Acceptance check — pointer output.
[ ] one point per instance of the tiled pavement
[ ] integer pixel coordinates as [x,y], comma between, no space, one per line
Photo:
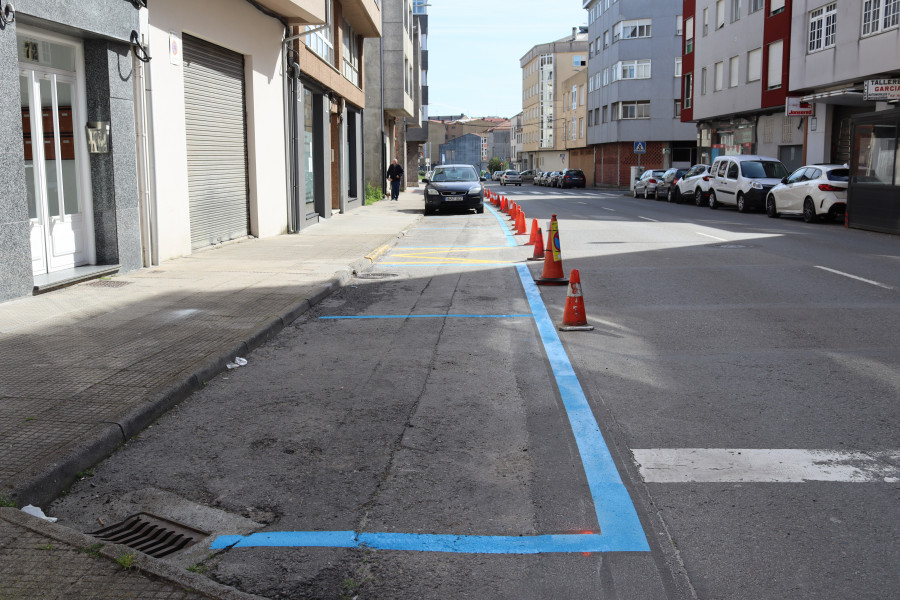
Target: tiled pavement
[86,367]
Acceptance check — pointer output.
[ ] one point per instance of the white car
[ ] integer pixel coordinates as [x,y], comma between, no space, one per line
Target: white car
[510,177]
[813,191]
[495,176]
[744,180]
[695,184]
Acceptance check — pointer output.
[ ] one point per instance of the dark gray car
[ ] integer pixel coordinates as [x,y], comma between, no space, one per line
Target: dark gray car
[454,187]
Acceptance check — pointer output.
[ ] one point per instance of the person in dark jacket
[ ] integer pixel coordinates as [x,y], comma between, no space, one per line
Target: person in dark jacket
[395,175]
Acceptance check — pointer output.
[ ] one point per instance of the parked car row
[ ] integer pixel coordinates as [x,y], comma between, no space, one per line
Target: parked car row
[567,178]
[750,182]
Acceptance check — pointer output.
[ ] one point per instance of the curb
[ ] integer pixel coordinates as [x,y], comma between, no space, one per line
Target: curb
[43,487]
[143,564]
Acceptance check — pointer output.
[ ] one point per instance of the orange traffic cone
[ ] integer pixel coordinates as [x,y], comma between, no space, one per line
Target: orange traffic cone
[505,204]
[512,211]
[538,246]
[535,237]
[520,223]
[553,270]
[574,315]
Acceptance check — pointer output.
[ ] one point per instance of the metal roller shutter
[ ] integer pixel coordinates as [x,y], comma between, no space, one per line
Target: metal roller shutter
[216,142]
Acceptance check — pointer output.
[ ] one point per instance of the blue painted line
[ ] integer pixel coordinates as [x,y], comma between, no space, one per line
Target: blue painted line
[616,514]
[463,544]
[512,316]
[510,239]
[444,264]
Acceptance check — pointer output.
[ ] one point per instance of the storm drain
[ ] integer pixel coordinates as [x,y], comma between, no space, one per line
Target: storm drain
[731,246]
[151,535]
[108,283]
[376,275]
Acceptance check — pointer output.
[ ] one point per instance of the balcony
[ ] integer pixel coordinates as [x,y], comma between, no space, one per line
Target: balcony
[298,12]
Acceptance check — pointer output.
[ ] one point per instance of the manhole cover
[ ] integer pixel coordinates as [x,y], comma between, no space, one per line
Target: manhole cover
[731,246]
[109,283]
[151,535]
[376,275]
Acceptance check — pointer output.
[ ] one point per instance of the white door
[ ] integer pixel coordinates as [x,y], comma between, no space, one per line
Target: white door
[54,167]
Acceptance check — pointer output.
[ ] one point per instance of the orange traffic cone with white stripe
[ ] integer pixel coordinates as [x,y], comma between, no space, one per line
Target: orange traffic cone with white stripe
[553,270]
[574,315]
[535,237]
[538,246]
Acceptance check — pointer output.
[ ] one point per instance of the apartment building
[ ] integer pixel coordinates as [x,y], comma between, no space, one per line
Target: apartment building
[417,137]
[544,68]
[735,59]
[515,142]
[634,88]
[572,111]
[393,94]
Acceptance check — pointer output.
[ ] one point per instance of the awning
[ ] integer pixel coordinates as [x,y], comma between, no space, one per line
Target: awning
[851,96]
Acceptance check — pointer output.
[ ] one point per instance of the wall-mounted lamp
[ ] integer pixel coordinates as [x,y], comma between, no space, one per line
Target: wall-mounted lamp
[8,15]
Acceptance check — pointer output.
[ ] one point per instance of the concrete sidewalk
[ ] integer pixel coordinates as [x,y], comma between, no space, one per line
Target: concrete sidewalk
[85,368]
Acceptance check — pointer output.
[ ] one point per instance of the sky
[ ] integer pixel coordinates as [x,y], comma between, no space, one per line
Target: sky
[474,49]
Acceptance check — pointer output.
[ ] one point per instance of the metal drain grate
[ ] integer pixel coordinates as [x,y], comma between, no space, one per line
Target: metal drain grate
[376,275]
[731,246]
[109,283]
[151,535]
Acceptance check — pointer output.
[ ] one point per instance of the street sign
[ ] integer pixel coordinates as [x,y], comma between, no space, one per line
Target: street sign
[640,147]
[793,107]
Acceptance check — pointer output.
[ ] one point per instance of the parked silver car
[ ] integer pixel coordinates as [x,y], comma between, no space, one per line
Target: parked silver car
[510,177]
[646,183]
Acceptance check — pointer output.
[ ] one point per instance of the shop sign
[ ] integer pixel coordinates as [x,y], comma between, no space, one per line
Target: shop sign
[795,108]
[882,89]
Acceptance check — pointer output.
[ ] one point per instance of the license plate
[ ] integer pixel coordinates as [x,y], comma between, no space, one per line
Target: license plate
[454,198]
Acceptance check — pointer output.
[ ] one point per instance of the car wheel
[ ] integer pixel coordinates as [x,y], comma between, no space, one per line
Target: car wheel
[771,208]
[713,203]
[809,210]
[698,198]
[429,210]
[480,209]
[646,194]
[741,205]
[634,191]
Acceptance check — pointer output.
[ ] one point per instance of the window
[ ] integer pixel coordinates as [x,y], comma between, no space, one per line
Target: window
[679,25]
[626,30]
[776,51]
[754,65]
[350,54]
[605,119]
[776,7]
[590,118]
[689,35]
[735,10]
[879,15]
[678,67]
[582,96]
[703,81]
[634,110]
[822,24]
[678,109]
[606,39]
[578,60]
[733,71]
[718,76]
[756,5]
[633,69]
[574,97]
[606,76]
[720,14]
[580,127]
[322,41]
[705,21]
[688,91]
[590,49]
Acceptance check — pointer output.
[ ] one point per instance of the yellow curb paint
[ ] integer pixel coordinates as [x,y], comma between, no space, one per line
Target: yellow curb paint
[373,256]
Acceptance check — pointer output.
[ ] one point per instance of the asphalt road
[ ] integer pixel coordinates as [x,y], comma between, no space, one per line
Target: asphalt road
[717,333]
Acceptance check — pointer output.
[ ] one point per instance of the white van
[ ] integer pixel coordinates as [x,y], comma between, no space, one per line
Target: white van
[743,180]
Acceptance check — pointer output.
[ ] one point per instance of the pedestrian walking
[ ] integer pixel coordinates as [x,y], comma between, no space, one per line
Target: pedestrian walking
[395,175]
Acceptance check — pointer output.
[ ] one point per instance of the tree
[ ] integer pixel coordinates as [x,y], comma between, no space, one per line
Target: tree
[495,164]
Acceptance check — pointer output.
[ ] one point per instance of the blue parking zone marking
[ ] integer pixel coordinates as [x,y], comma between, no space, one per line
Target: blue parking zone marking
[620,529]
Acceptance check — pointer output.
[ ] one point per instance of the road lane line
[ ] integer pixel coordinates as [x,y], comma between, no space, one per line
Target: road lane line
[436,316]
[648,219]
[616,514]
[869,281]
[710,236]
[725,465]
[609,209]
[510,239]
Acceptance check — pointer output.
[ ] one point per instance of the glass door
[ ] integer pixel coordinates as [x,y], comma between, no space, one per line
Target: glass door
[59,230]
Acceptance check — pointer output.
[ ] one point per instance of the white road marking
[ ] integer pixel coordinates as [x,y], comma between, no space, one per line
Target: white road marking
[721,465]
[711,236]
[869,281]
[585,203]
[648,219]
[609,209]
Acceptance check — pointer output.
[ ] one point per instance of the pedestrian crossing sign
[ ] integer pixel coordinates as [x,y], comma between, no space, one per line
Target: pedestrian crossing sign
[640,147]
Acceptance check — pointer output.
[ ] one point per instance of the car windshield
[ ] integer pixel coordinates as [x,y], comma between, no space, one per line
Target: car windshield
[455,174]
[576,173]
[839,175]
[512,173]
[763,169]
